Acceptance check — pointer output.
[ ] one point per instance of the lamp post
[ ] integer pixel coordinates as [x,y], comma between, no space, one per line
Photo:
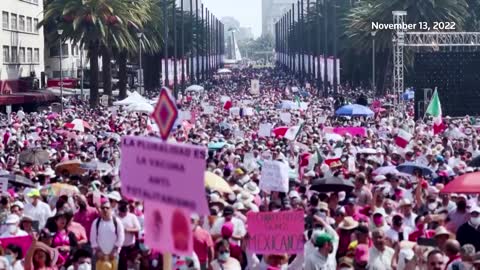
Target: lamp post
[60,32]
[373,60]
[140,70]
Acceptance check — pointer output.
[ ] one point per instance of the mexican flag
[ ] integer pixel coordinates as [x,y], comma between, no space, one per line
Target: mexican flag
[435,110]
[403,138]
[292,132]
[297,100]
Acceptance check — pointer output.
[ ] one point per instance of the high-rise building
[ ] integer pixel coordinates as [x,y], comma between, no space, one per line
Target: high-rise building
[272,11]
[22,44]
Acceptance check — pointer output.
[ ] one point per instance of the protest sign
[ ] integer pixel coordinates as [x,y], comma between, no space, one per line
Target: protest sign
[208,109]
[248,111]
[275,232]
[285,117]
[24,242]
[223,99]
[255,87]
[235,111]
[168,228]
[239,133]
[104,100]
[322,119]
[265,130]
[4,184]
[249,162]
[185,115]
[274,176]
[163,172]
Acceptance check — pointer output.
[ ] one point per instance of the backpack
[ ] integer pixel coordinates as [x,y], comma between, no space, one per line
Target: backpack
[97,225]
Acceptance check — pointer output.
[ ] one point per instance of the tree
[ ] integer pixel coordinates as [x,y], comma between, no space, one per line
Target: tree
[97,25]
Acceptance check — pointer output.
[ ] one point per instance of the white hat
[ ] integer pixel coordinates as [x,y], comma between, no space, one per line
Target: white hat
[293,194]
[19,204]
[474,209]
[379,178]
[251,187]
[245,197]
[12,219]
[239,206]
[114,195]
[405,201]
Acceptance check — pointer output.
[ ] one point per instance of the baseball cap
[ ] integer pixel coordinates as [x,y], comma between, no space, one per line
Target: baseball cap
[323,239]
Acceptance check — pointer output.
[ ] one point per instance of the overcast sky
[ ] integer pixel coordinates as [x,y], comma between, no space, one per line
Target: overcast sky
[247,12]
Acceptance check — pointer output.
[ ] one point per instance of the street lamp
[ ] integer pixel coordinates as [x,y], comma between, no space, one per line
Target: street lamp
[140,70]
[373,60]
[60,32]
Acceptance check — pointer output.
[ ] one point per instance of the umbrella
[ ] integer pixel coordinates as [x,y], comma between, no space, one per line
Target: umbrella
[71,166]
[58,189]
[216,145]
[409,167]
[467,183]
[78,125]
[195,88]
[215,182]
[35,156]
[386,170]
[367,151]
[332,184]
[354,110]
[224,71]
[96,165]
[140,107]
[52,116]
[475,162]
[18,179]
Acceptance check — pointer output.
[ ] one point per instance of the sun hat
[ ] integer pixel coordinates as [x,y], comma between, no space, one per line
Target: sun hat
[348,223]
[441,231]
[252,188]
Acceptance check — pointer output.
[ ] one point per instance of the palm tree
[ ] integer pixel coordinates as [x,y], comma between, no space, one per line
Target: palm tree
[97,25]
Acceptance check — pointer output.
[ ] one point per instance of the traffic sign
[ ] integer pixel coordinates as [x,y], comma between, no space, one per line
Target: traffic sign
[104,101]
[165,113]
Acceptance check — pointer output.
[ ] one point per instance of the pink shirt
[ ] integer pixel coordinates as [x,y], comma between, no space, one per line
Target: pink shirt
[202,242]
[86,218]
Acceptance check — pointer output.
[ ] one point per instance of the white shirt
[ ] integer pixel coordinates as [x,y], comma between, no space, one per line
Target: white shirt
[393,234]
[41,213]
[106,239]
[129,221]
[18,234]
[410,221]
[378,260]
[238,227]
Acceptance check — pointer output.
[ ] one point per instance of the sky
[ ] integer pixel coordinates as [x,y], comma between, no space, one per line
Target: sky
[247,12]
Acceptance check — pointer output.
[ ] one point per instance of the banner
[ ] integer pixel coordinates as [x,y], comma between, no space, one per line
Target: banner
[161,172]
[168,228]
[24,242]
[354,131]
[276,232]
[274,176]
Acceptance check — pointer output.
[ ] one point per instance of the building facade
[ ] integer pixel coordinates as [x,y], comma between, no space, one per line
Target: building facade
[272,11]
[72,61]
[21,42]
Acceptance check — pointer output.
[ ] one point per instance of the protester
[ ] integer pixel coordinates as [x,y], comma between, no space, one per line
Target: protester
[379,216]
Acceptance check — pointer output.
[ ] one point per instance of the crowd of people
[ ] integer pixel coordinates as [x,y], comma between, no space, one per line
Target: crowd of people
[70,211]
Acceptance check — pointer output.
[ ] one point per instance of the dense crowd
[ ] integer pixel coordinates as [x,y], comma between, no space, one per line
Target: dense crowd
[64,195]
